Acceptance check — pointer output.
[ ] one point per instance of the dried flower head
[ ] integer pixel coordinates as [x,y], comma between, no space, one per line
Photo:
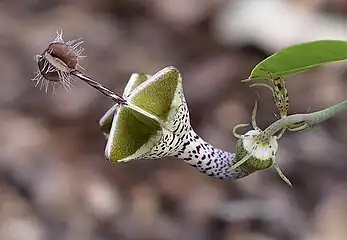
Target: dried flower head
[57,62]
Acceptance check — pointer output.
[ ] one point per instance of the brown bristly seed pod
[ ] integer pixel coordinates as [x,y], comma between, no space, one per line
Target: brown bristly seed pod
[59,65]
[57,62]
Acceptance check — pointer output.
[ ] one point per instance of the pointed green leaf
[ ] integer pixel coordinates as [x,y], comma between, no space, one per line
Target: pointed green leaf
[157,94]
[301,57]
[129,137]
[135,80]
[106,120]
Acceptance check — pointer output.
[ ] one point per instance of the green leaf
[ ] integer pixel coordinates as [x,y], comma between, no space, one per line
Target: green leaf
[106,121]
[129,137]
[157,94]
[135,80]
[301,57]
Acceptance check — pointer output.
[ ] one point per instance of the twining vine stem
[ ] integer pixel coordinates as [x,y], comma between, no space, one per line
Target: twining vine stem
[305,121]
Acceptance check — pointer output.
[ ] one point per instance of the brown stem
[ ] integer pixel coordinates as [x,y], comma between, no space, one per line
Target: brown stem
[115,97]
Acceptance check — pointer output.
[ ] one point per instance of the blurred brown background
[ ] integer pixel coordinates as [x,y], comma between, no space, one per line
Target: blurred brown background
[54,181]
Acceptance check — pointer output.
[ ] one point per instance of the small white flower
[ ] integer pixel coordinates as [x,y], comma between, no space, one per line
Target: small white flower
[256,150]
